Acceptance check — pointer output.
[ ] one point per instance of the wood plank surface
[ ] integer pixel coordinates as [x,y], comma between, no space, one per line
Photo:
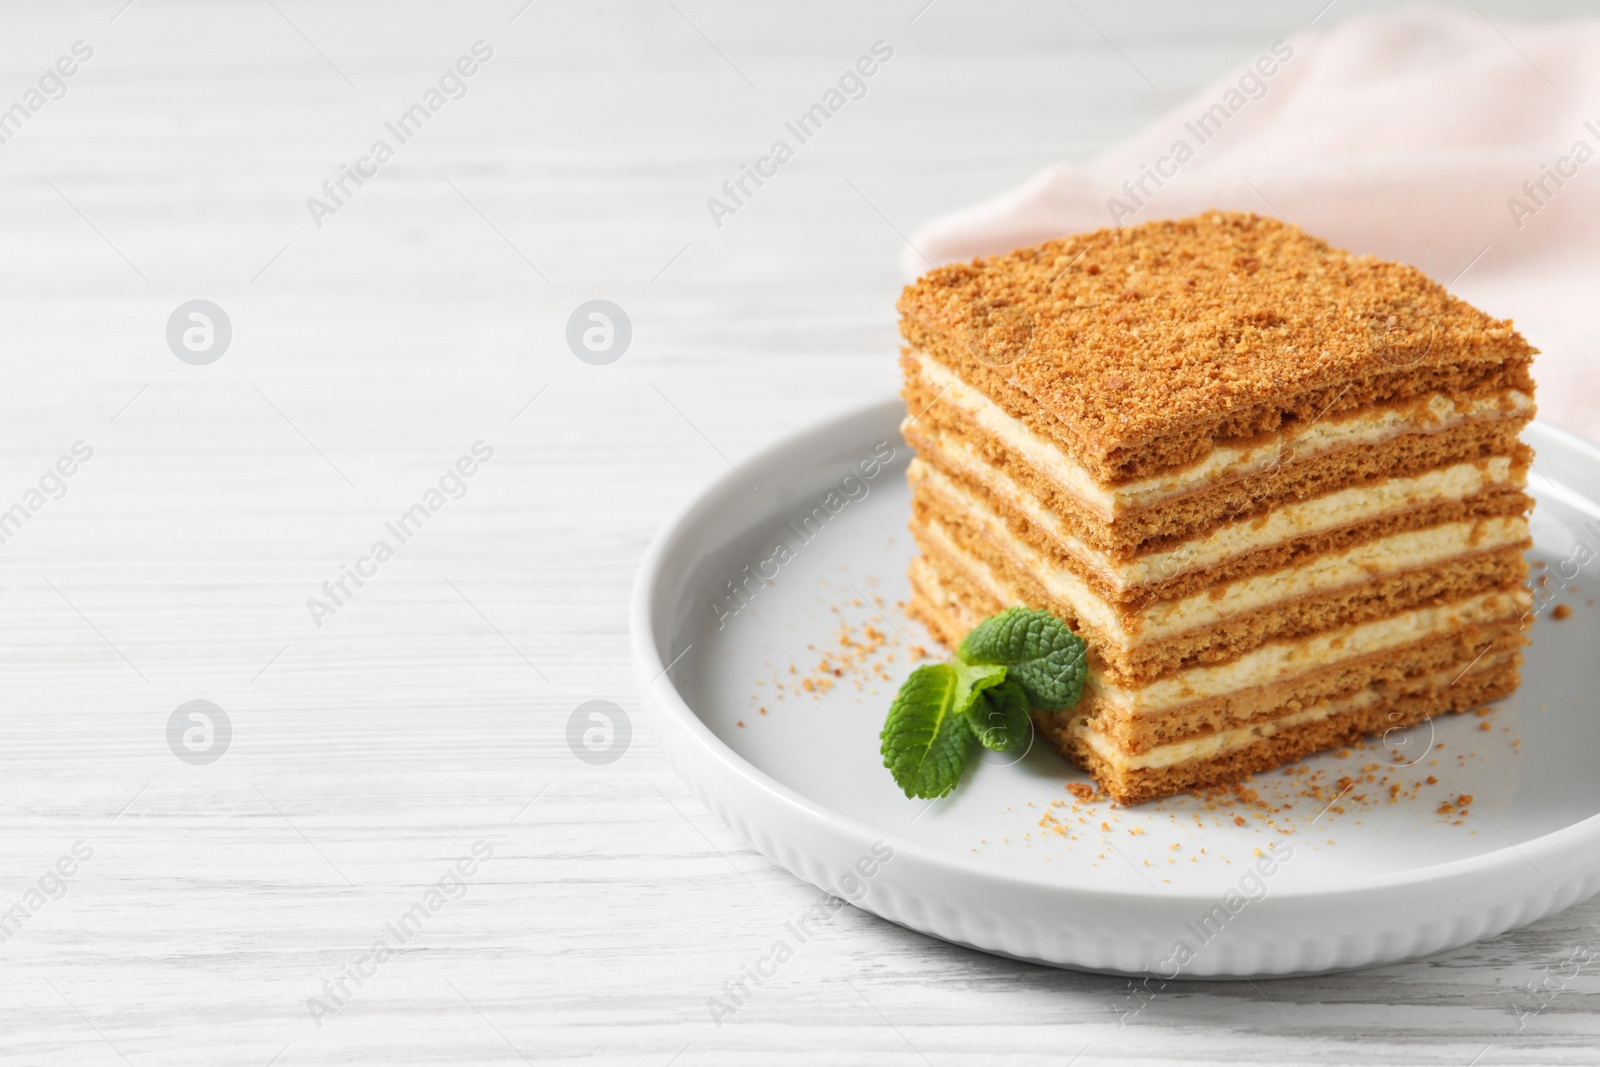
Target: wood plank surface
[374,747]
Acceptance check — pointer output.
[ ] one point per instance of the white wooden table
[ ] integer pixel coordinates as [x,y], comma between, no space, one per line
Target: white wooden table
[427,714]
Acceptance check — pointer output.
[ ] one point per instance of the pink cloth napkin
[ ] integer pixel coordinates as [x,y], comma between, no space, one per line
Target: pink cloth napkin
[1468,149]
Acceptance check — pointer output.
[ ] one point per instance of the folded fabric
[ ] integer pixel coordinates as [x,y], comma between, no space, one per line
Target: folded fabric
[1469,149]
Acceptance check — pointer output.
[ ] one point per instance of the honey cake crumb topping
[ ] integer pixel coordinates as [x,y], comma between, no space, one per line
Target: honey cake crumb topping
[1218,322]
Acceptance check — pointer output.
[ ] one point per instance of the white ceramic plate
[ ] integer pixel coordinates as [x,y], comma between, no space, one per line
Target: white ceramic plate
[1012,862]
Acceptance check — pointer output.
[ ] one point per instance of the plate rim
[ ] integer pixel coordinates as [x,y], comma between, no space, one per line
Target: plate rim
[668,704]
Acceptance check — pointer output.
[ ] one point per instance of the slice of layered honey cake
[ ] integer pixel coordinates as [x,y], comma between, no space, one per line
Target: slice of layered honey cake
[1278,488]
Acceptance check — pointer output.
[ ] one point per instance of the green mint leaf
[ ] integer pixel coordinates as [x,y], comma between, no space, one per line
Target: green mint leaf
[1048,660]
[926,738]
[1000,717]
[973,679]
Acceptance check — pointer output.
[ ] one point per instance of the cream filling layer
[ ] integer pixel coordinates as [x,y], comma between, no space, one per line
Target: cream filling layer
[1227,461]
[1280,661]
[1223,741]
[1163,620]
[1318,515]
[1283,661]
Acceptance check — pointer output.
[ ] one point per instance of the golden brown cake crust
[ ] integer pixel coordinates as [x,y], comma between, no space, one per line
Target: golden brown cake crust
[1151,344]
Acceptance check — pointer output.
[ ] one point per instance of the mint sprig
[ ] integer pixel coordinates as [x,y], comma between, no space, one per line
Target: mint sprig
[927,735]
[1048,660]
[1000,717]
[1009,663]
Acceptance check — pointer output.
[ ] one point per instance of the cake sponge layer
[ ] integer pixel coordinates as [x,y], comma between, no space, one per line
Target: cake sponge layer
[1146,346]
[1128,755]
[1487,490]
[1403,705]
[945,437]
[1137,725]
[958,560]
[930,384]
